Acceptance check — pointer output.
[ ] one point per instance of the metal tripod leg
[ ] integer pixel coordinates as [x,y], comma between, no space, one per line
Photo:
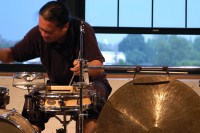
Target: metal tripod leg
[64,123]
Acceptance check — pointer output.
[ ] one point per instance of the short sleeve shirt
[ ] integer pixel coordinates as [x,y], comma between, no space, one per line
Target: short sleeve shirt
[58,58]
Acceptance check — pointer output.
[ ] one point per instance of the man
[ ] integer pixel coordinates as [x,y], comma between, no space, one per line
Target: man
[56,40]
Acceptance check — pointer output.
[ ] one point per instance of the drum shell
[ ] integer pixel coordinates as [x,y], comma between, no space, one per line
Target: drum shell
[12,122]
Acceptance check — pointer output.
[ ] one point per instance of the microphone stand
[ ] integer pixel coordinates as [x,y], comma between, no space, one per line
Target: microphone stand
[81,82]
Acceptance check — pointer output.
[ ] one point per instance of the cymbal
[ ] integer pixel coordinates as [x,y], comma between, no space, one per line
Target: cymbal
[29,85]
[28,76]
[152,104]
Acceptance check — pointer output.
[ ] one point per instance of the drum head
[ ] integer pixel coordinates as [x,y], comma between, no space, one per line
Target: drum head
[154,104]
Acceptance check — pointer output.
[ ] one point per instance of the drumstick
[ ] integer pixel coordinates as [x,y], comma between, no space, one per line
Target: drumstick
[71,79]
[73,73]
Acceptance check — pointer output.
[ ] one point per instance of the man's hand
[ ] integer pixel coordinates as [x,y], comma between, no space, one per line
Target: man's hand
[76,68]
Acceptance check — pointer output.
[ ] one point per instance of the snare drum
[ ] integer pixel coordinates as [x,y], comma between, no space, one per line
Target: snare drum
[4,97]
[12,122]
[69,102]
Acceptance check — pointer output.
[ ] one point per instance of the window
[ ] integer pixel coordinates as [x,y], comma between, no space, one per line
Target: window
[129,32]
[134,13]
[192,10]
[169,13]
[143,13]
[96,14]
[150,49]
[146,32]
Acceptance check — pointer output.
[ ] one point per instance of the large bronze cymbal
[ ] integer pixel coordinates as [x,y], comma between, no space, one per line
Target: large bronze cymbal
[153,104]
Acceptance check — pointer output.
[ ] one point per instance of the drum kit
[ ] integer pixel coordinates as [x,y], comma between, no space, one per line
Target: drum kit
[60,100]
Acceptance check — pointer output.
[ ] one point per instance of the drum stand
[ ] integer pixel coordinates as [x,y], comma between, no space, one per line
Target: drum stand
[80,86]
[64,123]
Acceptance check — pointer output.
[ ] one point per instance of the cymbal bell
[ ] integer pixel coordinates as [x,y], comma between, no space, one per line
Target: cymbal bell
[152,104]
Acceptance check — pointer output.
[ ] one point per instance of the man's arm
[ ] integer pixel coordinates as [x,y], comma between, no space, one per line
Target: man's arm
[92,72]
[6,55]
[95,72]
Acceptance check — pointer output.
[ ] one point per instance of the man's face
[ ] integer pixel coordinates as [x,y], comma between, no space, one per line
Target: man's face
[50,32]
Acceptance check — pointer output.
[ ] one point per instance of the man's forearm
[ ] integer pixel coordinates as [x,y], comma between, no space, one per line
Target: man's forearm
[6,55]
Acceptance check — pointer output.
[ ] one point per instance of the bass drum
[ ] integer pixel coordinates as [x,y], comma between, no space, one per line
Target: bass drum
[12,122]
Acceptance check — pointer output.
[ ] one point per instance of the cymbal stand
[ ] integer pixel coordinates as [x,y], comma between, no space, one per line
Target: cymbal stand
[81,83]
[28,88]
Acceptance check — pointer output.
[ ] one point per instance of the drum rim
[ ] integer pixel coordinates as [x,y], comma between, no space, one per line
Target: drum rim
[59,95]
[62,108]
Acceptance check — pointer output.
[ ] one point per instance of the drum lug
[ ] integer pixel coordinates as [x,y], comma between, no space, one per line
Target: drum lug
[12,112]
[42,102]
[5,116]
[60,101]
